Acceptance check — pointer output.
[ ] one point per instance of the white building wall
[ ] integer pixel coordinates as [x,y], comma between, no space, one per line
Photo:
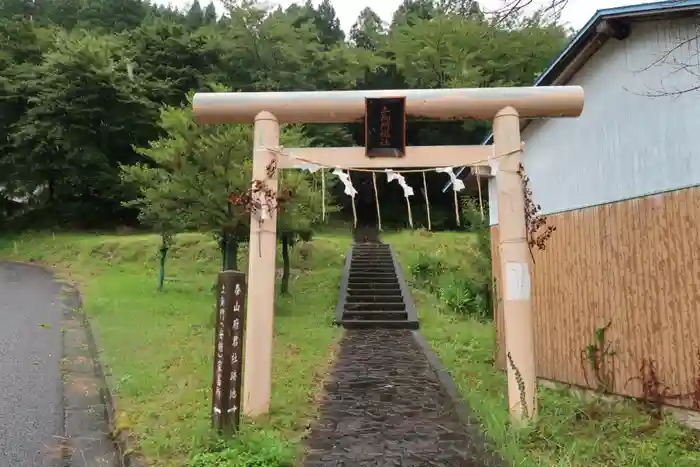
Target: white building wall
[629,141]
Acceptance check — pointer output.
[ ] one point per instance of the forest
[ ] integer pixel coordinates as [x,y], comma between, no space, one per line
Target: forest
[96,116]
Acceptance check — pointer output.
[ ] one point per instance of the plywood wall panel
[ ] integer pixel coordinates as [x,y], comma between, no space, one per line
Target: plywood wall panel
[635,263]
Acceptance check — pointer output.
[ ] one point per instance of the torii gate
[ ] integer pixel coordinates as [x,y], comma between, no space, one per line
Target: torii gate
[506,106]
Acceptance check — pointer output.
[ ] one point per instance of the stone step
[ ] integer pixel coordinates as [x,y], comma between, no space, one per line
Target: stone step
[370,306]
[391,290]
[361,273]
[372,260]
[352,299]
[375,270]
[379,271]
[371,298]
[376,315]
[378,287]
[378,324]
[372,265]
[364,279]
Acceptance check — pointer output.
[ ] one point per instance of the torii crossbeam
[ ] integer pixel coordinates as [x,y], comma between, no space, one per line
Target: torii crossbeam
[505,106]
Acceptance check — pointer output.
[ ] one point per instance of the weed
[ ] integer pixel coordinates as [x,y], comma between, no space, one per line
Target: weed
[464,296]
[521,387]
[538,231]
[462,290]
[427,270]
[655,394]
[249,449]
[600,360]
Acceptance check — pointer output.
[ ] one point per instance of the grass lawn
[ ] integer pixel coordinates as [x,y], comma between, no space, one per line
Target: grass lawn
[570,432]
[159,348]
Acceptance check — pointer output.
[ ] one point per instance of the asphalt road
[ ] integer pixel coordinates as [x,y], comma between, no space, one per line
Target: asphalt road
[31,414]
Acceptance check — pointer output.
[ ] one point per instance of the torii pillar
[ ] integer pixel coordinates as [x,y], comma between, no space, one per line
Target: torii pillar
[505,106]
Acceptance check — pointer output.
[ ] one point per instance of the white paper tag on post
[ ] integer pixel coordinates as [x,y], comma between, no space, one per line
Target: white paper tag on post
[517,281]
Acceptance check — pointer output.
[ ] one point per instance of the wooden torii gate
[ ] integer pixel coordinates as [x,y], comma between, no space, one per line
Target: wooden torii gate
[505,106]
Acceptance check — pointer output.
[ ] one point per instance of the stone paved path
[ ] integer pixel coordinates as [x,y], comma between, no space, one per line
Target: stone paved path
[384,406]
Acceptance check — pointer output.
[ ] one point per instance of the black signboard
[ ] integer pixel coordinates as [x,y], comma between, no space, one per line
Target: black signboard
[228,351]
[385,126]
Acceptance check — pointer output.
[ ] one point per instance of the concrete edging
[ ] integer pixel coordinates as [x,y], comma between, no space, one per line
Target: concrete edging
[123,438]
[343,292]
[465,415]
[403,285]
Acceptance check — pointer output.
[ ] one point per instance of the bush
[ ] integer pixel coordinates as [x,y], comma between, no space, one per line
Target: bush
[465,296]
[252,449]
[463,291]
[427,271]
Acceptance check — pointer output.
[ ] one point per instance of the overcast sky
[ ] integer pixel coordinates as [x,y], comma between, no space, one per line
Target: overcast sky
[576,13]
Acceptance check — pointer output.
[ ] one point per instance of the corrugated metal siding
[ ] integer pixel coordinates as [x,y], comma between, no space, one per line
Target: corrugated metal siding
[627,143]
[634,263]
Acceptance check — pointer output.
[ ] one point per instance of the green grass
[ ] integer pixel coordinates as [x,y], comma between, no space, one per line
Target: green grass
[570,431]
[159,346]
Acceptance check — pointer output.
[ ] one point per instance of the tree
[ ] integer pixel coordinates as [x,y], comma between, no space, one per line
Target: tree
[195,15]
[20,53]
[510,11]
[411,11]
[368,32]
[465,8]
[174,59]
[160,205]
[210,16]
[323,19]
[303,206]
[68,127]
[84,112]
[194,168]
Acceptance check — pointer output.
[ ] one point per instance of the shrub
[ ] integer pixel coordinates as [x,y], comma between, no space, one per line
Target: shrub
[463,291]
[426,271]
[252,449]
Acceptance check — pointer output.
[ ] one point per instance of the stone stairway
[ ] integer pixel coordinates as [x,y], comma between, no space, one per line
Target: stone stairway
[375,293]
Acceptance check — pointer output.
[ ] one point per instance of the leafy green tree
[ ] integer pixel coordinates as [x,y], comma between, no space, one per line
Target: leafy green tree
[303,204]
[210,15]
[173,59]
[195,15]
[68,124]
[113,16]
[160,205]
[20,53]
[193,170]
[84,112]
[198,165]
[368,32]
[411,11]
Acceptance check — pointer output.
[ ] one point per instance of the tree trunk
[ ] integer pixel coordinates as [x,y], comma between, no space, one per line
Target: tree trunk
[52,189]
[229,252]
[284,286]
[161,277]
